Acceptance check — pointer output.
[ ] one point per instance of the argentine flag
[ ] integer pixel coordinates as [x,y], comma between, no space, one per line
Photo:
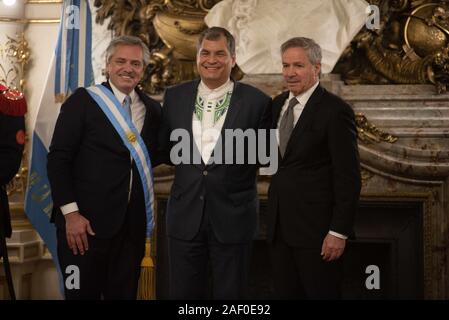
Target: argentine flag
[71,67]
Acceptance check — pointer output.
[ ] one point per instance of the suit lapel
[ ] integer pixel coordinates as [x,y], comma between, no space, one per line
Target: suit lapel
[234,108]
[148,118]
[107,85]
[187,100]
[277,107]
[278,103]
[306,115]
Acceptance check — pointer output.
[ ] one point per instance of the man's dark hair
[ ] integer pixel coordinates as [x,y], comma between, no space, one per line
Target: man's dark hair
[214,34]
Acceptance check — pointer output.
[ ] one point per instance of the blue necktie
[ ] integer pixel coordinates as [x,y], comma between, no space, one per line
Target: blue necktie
[127,106]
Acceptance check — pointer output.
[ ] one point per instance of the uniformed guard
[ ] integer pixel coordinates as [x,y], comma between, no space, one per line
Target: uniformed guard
[12,140]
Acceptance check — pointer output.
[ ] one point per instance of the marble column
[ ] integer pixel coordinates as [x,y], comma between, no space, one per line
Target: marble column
[13,47]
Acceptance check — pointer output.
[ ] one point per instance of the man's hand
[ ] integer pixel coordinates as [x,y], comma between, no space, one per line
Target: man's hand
[76,227]
[332,248]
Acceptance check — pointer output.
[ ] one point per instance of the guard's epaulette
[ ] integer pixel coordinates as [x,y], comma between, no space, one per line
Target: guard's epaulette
[12,102]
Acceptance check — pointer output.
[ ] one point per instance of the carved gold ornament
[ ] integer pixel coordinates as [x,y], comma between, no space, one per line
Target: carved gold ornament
[14,52]
[365,176]
[18,184]
[410,47]
[368,133]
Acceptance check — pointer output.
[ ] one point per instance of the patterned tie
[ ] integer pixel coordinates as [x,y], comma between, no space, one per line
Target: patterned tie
[127,106]
[286,126]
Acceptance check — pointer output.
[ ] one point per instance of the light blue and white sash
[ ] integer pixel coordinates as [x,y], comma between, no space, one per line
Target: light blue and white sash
[121,121]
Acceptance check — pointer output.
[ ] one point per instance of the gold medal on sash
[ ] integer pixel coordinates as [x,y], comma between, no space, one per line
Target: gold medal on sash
[131,137]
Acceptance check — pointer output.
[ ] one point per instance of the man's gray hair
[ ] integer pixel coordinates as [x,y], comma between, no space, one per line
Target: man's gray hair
[130,41]
[215,34]
[312,48]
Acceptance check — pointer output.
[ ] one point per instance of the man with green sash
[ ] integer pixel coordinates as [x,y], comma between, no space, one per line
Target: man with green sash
[99,168]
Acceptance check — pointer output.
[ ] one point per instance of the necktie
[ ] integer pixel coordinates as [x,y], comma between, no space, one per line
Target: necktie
[286,126]
[127,106]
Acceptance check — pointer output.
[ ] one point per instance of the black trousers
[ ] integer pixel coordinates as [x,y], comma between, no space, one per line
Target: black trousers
[191,263]
[110,269]
[301,273]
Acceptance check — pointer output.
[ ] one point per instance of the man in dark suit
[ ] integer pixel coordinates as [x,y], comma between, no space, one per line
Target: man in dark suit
[12,140]
[97,187]
[212,209]
[313,197]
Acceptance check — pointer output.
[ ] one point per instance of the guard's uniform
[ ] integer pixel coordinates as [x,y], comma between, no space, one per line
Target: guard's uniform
[12,141]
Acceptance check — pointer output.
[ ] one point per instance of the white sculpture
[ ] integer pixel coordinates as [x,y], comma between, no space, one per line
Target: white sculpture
[261,26]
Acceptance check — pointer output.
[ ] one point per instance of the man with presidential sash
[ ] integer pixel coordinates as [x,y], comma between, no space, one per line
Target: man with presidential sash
[100,171]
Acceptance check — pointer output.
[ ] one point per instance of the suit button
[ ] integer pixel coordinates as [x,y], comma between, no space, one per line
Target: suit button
[201,198]
[204,173]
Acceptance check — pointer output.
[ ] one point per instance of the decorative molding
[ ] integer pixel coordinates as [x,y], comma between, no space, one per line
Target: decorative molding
[44,1]
[366,175]
[26,21]
[369,133]
[2,19]
[40,21]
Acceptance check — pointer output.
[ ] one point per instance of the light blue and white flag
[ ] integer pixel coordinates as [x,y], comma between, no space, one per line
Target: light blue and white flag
[71,67]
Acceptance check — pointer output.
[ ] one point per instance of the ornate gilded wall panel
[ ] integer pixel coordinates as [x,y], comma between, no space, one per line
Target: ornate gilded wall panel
[411,46]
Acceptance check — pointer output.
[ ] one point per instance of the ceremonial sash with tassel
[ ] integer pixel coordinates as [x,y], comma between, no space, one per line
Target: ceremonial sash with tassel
[120,120]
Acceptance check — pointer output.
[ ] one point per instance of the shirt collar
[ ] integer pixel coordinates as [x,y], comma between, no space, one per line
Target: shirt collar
[305,96]
[121,96]
[217,92]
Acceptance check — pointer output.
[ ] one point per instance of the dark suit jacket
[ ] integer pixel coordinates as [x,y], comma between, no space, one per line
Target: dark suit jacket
[227,192]
[317,185]
[89,164]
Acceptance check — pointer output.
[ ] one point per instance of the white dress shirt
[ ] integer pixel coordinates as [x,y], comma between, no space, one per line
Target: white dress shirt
[205,131]
[297,110]
[138,112]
